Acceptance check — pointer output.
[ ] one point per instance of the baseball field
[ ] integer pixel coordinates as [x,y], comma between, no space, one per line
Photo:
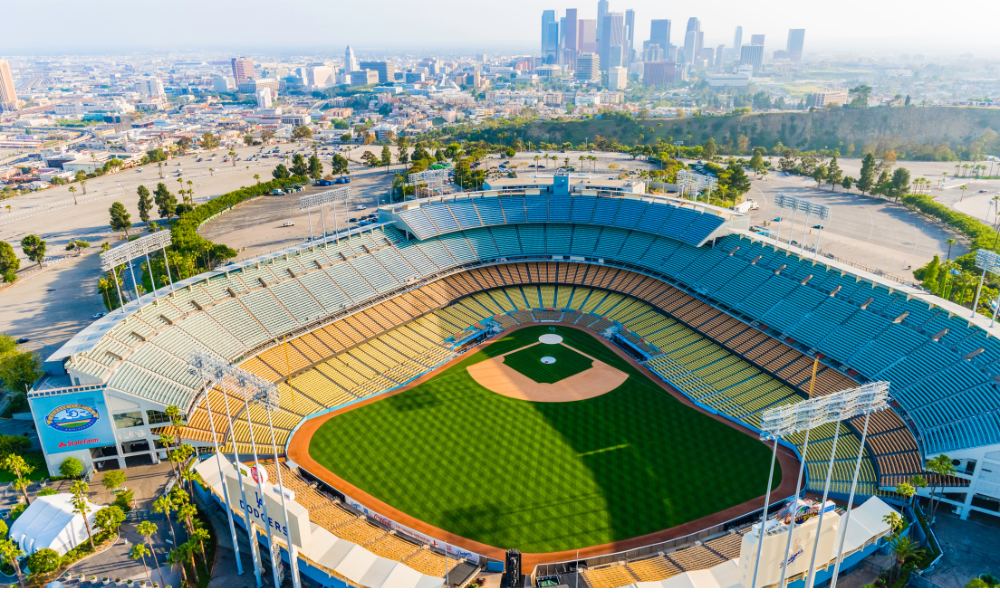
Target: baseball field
[519,456]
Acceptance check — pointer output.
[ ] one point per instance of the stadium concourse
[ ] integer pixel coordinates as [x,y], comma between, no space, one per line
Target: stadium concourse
[726,317]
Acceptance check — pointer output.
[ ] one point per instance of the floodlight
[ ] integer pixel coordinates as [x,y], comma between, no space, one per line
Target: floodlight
[140,247]
[323,198]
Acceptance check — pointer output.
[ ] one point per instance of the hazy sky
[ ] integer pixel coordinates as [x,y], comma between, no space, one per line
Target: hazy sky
[60,26]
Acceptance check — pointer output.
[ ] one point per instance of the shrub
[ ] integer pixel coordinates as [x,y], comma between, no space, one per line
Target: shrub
[16,511]
[3,530]
[45,560]
[71,467]
[47,492]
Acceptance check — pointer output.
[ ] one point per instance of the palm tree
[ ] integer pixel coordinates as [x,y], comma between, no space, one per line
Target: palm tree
[942,467]
[148,530]
[904,549]
[79,491]
[139,552]
[164,504]
[257,177]
[211,172]
[917,482]
[184,552]
[72,190]
[10,552]
[905,490]
[962,187]
[950,243]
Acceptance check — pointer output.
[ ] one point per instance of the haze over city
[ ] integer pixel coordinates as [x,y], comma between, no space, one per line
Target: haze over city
[380,25]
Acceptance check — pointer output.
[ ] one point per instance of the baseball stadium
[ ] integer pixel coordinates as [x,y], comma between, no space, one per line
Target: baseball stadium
[574,375]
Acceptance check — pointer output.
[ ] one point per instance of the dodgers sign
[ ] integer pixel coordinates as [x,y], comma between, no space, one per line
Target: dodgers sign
[265,510]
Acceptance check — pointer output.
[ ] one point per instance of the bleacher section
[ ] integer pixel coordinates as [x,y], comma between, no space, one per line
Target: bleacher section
[664,566]
[341,522]
[943,372]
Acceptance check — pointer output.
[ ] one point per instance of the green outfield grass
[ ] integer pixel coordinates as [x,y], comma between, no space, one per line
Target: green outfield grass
[543,477]
[528,362]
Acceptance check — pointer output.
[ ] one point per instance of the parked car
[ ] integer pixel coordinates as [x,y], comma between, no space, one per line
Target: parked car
[288,224]
[23,340]
[277,193]
[98,315]
[361,207]
[352,220]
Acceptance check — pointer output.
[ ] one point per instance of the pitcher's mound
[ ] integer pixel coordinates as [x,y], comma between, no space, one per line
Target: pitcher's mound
[550,338]
[497,377]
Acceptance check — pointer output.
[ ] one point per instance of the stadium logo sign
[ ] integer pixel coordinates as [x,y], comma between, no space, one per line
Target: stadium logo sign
[259,475]
[71,418]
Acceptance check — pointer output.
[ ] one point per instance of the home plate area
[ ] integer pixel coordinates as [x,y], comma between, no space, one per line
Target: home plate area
[547,371]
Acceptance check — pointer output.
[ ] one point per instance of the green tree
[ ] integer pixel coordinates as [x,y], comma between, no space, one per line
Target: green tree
[9,263]
[757,163]
[182,553]
[120,218]
[861,94]
[299,166]
[904,549]
[929,273]
[72,190]
[79,491]
[280,172]
[164,505]
[34,248]
[386,155]
[113,480]
[20,468]
[109,518]
[867,179]
[738,181]
[708,151]
[165,201]
[941,466]
[950,243]
[209,141]
[139,552]
[905,490]
[145,204]
[315,167]
[819,175]
[402,151]
[44,561]
[847,182]
[302,132]
[3,529]
[882,187]
[834,174]
[339,164]
[71,467]
[147,530]
[10,552]
[900,182]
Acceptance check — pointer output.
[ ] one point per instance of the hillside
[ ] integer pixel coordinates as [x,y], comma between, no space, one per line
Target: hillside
[915,128]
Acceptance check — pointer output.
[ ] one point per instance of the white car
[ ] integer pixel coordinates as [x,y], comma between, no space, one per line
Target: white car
[361,207]
[288,224]
[140,170]
[98,315]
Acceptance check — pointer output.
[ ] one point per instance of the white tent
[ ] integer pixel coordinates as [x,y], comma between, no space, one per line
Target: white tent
[51,523]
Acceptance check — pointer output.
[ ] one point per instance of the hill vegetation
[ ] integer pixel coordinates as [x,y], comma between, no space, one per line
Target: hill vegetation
[912,132]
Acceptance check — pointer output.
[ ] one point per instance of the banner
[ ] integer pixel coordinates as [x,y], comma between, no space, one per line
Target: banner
[265,510]
[422,537]
[72,421]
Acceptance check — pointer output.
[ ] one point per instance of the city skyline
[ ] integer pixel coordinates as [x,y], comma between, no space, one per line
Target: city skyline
[418,29]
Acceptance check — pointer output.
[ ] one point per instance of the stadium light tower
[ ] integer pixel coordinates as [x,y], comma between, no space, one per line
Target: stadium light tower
[125,253]
[428,178]
[811,209]
[219,371]
[197,365]
[987,261]
[319,201]
[781,421]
